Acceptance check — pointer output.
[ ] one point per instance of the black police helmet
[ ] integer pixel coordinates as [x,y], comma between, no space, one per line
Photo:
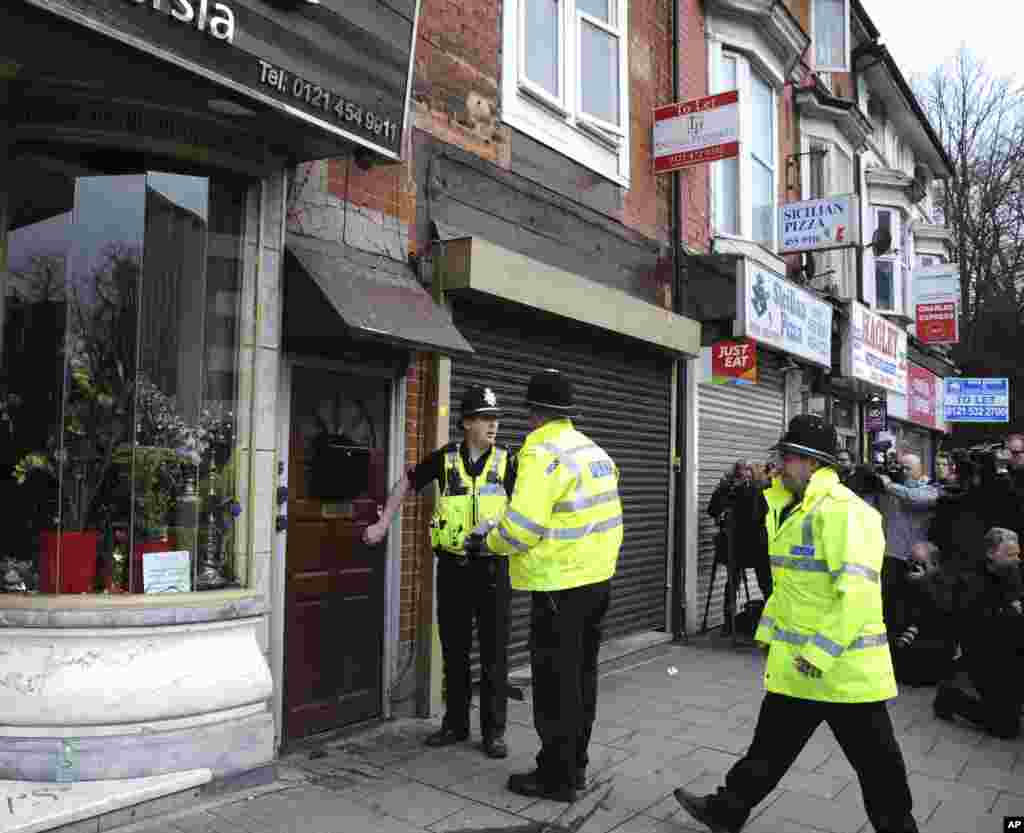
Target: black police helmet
[810,436]
[477,401]
[551,391]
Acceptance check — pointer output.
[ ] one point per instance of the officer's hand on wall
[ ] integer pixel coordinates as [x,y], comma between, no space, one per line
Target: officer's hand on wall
[374,534]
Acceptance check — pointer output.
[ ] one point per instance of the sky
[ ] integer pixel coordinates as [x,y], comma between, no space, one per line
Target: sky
[921,34]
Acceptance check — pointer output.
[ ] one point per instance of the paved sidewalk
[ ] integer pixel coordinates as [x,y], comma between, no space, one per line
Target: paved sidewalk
[670,716]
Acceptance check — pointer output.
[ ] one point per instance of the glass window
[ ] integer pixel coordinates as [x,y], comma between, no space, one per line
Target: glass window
[728,179]
[885,289]
[830,48]
[120,343]
[763,161]
[599,73]
[542,45]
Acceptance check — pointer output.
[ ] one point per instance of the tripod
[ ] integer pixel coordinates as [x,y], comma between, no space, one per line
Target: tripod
[725,554]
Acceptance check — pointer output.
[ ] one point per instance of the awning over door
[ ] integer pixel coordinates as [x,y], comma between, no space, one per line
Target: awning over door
[376,297]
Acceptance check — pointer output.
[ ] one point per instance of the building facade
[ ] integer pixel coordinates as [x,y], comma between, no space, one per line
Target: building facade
[261,268]
[835,153]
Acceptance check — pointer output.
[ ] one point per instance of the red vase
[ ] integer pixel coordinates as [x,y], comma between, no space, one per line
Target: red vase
[163,544]
[74,561]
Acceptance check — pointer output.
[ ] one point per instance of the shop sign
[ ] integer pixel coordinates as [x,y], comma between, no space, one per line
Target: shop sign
[734,363]
[816,225]
[922,394]
[875,351]
[778,314]
[977,400]
[345,67]
[696,131]
[874,416]
[167,572]
[937,304]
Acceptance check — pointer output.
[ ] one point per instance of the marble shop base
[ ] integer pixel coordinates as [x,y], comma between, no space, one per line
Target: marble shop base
[30,806]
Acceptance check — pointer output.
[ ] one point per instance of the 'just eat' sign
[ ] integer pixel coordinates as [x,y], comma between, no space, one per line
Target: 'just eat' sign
[734,363]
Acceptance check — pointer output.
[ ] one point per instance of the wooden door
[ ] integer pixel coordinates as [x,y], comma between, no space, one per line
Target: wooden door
[334,584]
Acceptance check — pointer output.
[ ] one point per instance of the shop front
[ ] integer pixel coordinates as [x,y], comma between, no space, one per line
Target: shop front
[753,378]
[522,315]
[143,200]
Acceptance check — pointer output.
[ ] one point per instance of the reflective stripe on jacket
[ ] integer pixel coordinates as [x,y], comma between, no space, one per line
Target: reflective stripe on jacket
[456,514]
[563,526]
[826,601]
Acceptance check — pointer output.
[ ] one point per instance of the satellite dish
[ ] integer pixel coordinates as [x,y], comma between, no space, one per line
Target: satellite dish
[881,242]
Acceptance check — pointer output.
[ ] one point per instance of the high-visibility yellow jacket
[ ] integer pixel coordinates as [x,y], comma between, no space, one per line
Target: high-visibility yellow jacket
[563,526]
[464,501]
[826,601]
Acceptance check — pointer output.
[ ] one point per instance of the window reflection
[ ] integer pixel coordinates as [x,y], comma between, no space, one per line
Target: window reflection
[118,383]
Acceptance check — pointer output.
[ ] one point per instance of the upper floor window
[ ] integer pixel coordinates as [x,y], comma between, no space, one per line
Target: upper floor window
[831,28]
[566,78]
[745,187]
[893,269]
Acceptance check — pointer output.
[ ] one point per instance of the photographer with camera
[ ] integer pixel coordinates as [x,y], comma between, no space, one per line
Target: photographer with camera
[739,507]
[984,600]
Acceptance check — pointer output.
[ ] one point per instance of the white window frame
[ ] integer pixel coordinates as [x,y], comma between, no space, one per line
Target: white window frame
[845,66]
[896,257]
[745,67]
[559,121]
[837,178]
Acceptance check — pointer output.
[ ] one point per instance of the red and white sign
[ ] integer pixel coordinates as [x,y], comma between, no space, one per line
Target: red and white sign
[697,131]
[938,323]
[922,395]
[733,363]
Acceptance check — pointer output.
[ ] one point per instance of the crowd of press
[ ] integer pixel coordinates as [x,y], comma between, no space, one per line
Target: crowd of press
[952,579]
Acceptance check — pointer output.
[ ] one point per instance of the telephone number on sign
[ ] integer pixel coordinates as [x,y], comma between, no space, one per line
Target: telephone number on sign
[956,411]
[332,104]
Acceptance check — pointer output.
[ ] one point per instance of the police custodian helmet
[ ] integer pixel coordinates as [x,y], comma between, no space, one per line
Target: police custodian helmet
[810,436]
[551,391]
[479,400]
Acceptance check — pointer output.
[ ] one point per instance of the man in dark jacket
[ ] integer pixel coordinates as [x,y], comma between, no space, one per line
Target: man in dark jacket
[984,599]
[739,507]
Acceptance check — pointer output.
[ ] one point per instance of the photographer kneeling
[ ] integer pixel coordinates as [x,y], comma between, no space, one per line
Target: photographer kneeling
[984,599]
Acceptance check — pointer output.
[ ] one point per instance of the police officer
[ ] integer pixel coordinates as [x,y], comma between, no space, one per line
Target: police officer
[828,656]
[475,478]
[562,533]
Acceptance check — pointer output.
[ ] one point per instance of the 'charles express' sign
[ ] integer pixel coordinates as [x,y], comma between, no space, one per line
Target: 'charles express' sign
[342,66]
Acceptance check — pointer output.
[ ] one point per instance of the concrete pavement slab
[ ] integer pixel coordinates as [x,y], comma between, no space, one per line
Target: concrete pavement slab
[479,818]
[418,804]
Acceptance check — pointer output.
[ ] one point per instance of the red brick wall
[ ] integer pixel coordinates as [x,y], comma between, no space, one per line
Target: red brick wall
[693,83]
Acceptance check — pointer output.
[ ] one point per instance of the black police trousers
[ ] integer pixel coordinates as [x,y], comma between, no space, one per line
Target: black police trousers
[565,634]
[474,591]
[866,736]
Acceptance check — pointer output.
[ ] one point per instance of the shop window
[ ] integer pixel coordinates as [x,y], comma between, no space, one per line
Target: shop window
[745,187]
[566,78]
[119,369]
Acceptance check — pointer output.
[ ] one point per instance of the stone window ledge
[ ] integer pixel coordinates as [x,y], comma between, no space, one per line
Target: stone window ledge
[127,610]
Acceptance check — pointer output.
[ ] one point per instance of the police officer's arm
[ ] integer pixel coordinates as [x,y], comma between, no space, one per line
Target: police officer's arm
[413,480]
[854,544]
[528,516]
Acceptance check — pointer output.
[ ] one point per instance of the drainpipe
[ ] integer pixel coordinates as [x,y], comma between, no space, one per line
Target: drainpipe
[678,619]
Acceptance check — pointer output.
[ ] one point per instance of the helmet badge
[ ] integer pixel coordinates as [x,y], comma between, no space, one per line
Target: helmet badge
[490,398]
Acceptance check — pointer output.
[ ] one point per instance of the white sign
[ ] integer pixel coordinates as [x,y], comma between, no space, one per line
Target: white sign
[167,572]
[775,313]
[977,400]
[875,351]
[937,304]
[696,131]
[814,225]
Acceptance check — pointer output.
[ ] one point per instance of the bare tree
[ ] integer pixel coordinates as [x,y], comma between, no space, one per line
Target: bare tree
[980,120]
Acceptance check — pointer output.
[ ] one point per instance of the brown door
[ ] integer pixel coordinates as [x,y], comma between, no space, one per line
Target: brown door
[334,603]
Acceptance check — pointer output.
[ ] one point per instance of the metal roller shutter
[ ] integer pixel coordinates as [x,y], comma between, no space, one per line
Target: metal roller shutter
[622,394]
[734,422]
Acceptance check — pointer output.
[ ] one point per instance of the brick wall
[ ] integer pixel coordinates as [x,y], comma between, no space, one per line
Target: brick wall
[693,83]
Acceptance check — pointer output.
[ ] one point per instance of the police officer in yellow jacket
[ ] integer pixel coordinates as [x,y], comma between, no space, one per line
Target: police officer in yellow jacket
[475,478]
[562,533]
[828,656]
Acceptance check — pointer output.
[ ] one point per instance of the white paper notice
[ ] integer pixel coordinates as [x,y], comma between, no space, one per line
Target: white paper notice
[167,572]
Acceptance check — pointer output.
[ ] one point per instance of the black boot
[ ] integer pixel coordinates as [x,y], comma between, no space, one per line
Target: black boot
[701,807]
